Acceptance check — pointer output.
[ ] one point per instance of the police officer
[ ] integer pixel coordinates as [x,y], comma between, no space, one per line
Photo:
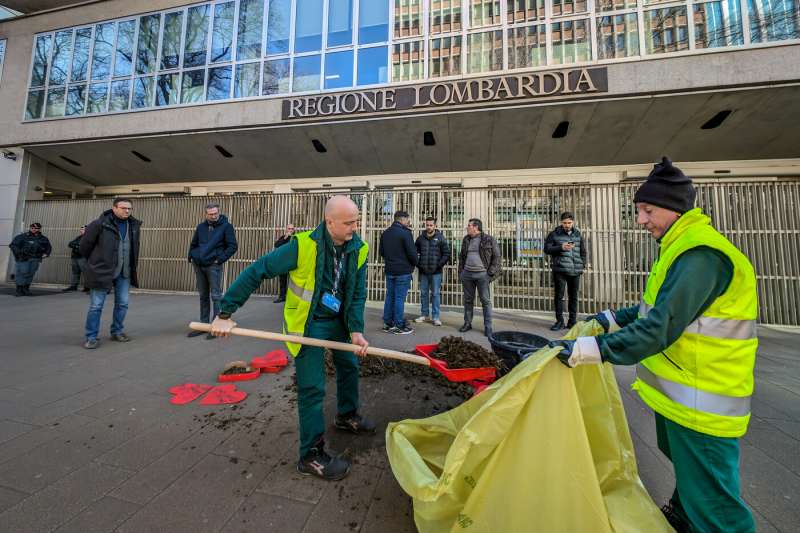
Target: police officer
[29,249]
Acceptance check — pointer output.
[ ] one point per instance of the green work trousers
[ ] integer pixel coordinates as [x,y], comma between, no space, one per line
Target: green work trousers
[310,369]
[706,478]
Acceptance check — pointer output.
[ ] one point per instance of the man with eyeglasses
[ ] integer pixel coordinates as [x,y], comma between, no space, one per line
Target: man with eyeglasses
[111,248]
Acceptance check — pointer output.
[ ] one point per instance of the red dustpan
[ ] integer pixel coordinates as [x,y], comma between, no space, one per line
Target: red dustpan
[272,362]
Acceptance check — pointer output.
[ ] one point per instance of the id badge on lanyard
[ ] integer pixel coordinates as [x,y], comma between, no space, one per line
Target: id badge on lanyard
[330,299]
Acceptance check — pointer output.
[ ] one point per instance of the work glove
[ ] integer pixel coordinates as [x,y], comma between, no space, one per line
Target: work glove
[581,351]
[607,319]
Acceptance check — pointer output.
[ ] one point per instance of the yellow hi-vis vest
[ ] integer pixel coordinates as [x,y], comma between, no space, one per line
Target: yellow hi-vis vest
[704,380]
[302,280]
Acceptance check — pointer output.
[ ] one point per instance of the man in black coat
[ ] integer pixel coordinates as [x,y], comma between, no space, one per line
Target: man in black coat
[29,249]
[78,262]
[284,278]
[434,254]
[213,243]
[479,263]
[111,248]
[399,255]
[567,248]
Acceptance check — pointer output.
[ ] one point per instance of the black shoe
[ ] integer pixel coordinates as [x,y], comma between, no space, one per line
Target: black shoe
[20,291]
[677,522]
[120,337]
[193,333]
[278,300]
[355,423]
[387,328]
[86,289]
[91,344]
[210,337]
[70,288]
[317,462]
[466,327]
[27,289]
[557,326]
[404,330]
[570,323]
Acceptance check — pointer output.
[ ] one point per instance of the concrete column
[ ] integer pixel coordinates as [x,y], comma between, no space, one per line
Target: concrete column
[20,175]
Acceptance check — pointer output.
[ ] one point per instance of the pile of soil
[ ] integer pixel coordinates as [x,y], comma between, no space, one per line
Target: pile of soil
[237,370]
[460,353]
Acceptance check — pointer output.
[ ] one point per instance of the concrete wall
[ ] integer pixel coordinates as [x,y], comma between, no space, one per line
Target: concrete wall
[12,201]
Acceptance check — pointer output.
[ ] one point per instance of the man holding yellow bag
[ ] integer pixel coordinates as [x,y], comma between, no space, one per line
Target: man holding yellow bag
[693,339]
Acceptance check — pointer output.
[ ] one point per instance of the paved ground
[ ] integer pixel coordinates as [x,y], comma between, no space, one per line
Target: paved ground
[89,441]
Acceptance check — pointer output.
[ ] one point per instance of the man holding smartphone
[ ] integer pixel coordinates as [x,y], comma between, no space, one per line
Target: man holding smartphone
[567,248]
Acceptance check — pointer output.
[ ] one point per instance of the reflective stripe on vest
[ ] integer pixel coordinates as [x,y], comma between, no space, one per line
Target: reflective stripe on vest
[714,327]
[299,291]
[692,398]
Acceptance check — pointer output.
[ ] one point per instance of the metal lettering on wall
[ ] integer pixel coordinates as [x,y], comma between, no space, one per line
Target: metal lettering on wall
[506,88]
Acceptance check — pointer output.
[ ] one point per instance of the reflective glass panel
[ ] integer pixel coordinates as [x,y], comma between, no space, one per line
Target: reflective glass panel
[76,100]
[617,36]
[55,102]
[192,86]
[276,77]
[246,80]
[308,26]
[571,41]
[373,65]
[525,10]
[527,46]
[40,58]
[774,20]
[445,57]
[143,92]
[567,7]
[485,51]
[339,70]
[666,30]
[222,32]
[219,83]
[611,5]
[373,21]
[407,18]
[484,13]
[120,95]
[278,26]
[194,50]
[62,52]
[98,98]
[80,57]
[407,61]
[167,89]
[306,74]
[251,22]
[445,16]
[171,45]
[103,52]
[148,44]
[717,24]
[34,104]
[340,22]
[123,61]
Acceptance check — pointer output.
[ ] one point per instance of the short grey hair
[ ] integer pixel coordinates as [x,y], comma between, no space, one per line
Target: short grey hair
[212,206]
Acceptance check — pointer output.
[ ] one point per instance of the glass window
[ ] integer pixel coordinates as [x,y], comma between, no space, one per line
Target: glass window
[774,20]
[222,33]
[120,95]
[373,65]
[340,22]
[76,100]
[194,50]
[445,16]
[407,61]
[62,52]
[485,51]
[33,107]
[445,57]
[143,92]
[80,57]
[527,46]
[484,13]
[167,89]
[276,77]
[612,5]
[308,26]
[666,30]
[617,36]
[246,80]
[98,98]
[219,83]
[171,45]
[192,86]
[407,18]
[148,44]
[251,22]
[123,60]
[525,10]
[339,70]
[306,74]
[55,102]
[104,36]
[373,21]
[567,7]
[278,26]
[571,41]
[41,56]
[717,24]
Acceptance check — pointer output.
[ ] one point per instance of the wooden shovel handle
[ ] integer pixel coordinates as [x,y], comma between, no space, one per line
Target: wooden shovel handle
[343,346]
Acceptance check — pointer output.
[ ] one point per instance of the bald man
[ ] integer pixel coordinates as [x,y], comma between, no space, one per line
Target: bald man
[327,271]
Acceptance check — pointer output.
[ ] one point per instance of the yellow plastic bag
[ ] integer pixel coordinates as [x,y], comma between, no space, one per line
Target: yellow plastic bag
[546,448]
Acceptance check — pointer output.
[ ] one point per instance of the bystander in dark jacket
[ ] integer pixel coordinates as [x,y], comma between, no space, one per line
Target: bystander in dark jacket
[213,242]
[398,250]
[100,246]
[434,252]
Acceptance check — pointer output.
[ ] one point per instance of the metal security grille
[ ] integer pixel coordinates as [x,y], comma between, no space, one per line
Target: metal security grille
[760,218]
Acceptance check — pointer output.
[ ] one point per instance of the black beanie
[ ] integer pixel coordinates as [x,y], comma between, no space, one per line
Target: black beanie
[667,187]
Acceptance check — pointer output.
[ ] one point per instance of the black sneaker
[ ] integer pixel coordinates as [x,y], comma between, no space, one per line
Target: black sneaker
[120,337]
[557,326]
[465,328]
[70,288]
[570,323]
[210,337]
[355,423]
[677,522]
[194,334]
[91,344]
[405,330]
[317,462]
[387,328]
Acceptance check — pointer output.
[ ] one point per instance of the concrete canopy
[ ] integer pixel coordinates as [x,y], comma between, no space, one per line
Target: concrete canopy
[31,6]
[764,124]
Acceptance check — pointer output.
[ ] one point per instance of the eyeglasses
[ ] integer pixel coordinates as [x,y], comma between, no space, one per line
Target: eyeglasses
[125,208]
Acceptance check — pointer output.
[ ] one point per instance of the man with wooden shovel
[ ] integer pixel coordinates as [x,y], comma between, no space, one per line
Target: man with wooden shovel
[327,271]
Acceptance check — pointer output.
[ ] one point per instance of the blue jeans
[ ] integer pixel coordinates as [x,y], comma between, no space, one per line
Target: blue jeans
[25,270]
[430,287]
[394,305]
[97,297]
[208,285]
